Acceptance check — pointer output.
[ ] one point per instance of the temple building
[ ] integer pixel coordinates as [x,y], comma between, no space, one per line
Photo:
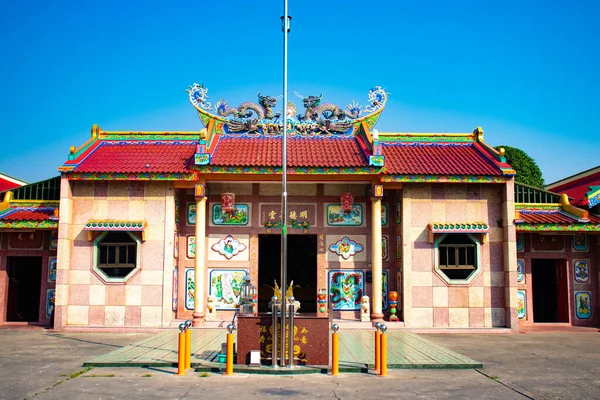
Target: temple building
[158,227]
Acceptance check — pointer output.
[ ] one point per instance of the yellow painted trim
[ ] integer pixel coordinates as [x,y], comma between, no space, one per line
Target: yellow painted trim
[478,132]
[533,205]
[393,134]
[566,206]
[17,202]
[7,200]
[96,130]
[367,132]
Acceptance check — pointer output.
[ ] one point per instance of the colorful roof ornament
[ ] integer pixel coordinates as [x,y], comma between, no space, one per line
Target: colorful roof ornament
[28,214]
[443,227]
[558,217]
[261,117]
[593,196]
[114,225]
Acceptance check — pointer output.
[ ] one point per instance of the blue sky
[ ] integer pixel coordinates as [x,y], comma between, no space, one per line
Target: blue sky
[526,71]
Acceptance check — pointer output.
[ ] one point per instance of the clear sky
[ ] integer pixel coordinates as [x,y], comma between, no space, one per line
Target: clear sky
[526,71]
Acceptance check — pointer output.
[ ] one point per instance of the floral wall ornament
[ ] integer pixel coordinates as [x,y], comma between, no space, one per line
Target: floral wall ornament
[580,242]
[521,304]
[583,305]
[190,286]
[346,288]
[50,303]
[226,287]
[384,248]
[52,269]
[582,271]
[520,271]
[338,217]
[191,247]
[228,247]
[346,247]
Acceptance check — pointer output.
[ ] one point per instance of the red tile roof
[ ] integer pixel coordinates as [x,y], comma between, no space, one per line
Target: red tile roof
[316,151]
[139,157]
[28,214]
[438,159]
[578,189]
[546,217]
[6,185]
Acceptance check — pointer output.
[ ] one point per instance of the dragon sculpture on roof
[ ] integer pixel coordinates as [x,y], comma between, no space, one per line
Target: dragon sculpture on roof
[261,118]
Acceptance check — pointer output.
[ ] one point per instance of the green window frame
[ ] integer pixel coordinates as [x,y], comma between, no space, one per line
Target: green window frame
[457,257]
[117,255]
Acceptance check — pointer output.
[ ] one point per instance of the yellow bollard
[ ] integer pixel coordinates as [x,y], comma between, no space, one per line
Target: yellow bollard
[335,350]
[188,348]
[229,359]
[383,370]
[181,351]
[377,349]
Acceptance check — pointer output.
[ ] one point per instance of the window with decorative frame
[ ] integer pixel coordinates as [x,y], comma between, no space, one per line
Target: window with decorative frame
[457,257]
[116,255]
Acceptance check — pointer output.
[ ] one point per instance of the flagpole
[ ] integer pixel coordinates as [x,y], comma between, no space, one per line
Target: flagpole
[285,26]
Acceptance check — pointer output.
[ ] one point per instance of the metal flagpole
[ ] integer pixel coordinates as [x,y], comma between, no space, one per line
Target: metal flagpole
[285,26]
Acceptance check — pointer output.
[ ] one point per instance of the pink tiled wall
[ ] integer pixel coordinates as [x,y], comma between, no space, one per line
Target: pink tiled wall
[140,301]
[433,302]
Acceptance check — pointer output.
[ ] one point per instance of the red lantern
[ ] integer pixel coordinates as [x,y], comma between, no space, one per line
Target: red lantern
[347,201]
[227,201]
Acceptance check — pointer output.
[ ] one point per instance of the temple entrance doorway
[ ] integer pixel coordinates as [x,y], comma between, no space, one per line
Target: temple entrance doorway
[24,285]
[302,269]
[549,285]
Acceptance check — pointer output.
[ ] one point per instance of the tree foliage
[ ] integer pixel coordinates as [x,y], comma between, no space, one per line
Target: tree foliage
[528,171]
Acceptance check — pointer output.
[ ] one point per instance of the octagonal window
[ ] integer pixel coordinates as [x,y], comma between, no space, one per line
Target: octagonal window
[457,257]
[116,255]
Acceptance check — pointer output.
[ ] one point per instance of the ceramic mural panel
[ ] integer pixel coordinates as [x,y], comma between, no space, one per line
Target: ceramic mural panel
[190,214]
[582,271]
[53,245]
[520,270]
[384,248]
[519,242]
[226,287]
[398,248]
[583,305]
[176,245]
[177,210]
[50,302]
[190,285]
[384,215]
[384,290]
[346,288]
[346,247]
[521,304]
[237,216]
[175,282]
[580,242]
[337,217]
[51,269]
[191,246]
[228,247]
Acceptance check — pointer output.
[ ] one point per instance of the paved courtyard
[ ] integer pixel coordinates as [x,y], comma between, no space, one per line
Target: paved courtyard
[49,365]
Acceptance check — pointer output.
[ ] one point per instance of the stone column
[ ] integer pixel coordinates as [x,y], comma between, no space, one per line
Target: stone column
[510,256]
[376,299]
[200,260]
[63,254]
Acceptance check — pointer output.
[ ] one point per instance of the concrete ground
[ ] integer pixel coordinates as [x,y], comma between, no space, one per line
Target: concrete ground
[47,365]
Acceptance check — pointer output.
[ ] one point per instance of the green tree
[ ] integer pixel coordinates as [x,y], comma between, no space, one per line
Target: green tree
[528,171]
